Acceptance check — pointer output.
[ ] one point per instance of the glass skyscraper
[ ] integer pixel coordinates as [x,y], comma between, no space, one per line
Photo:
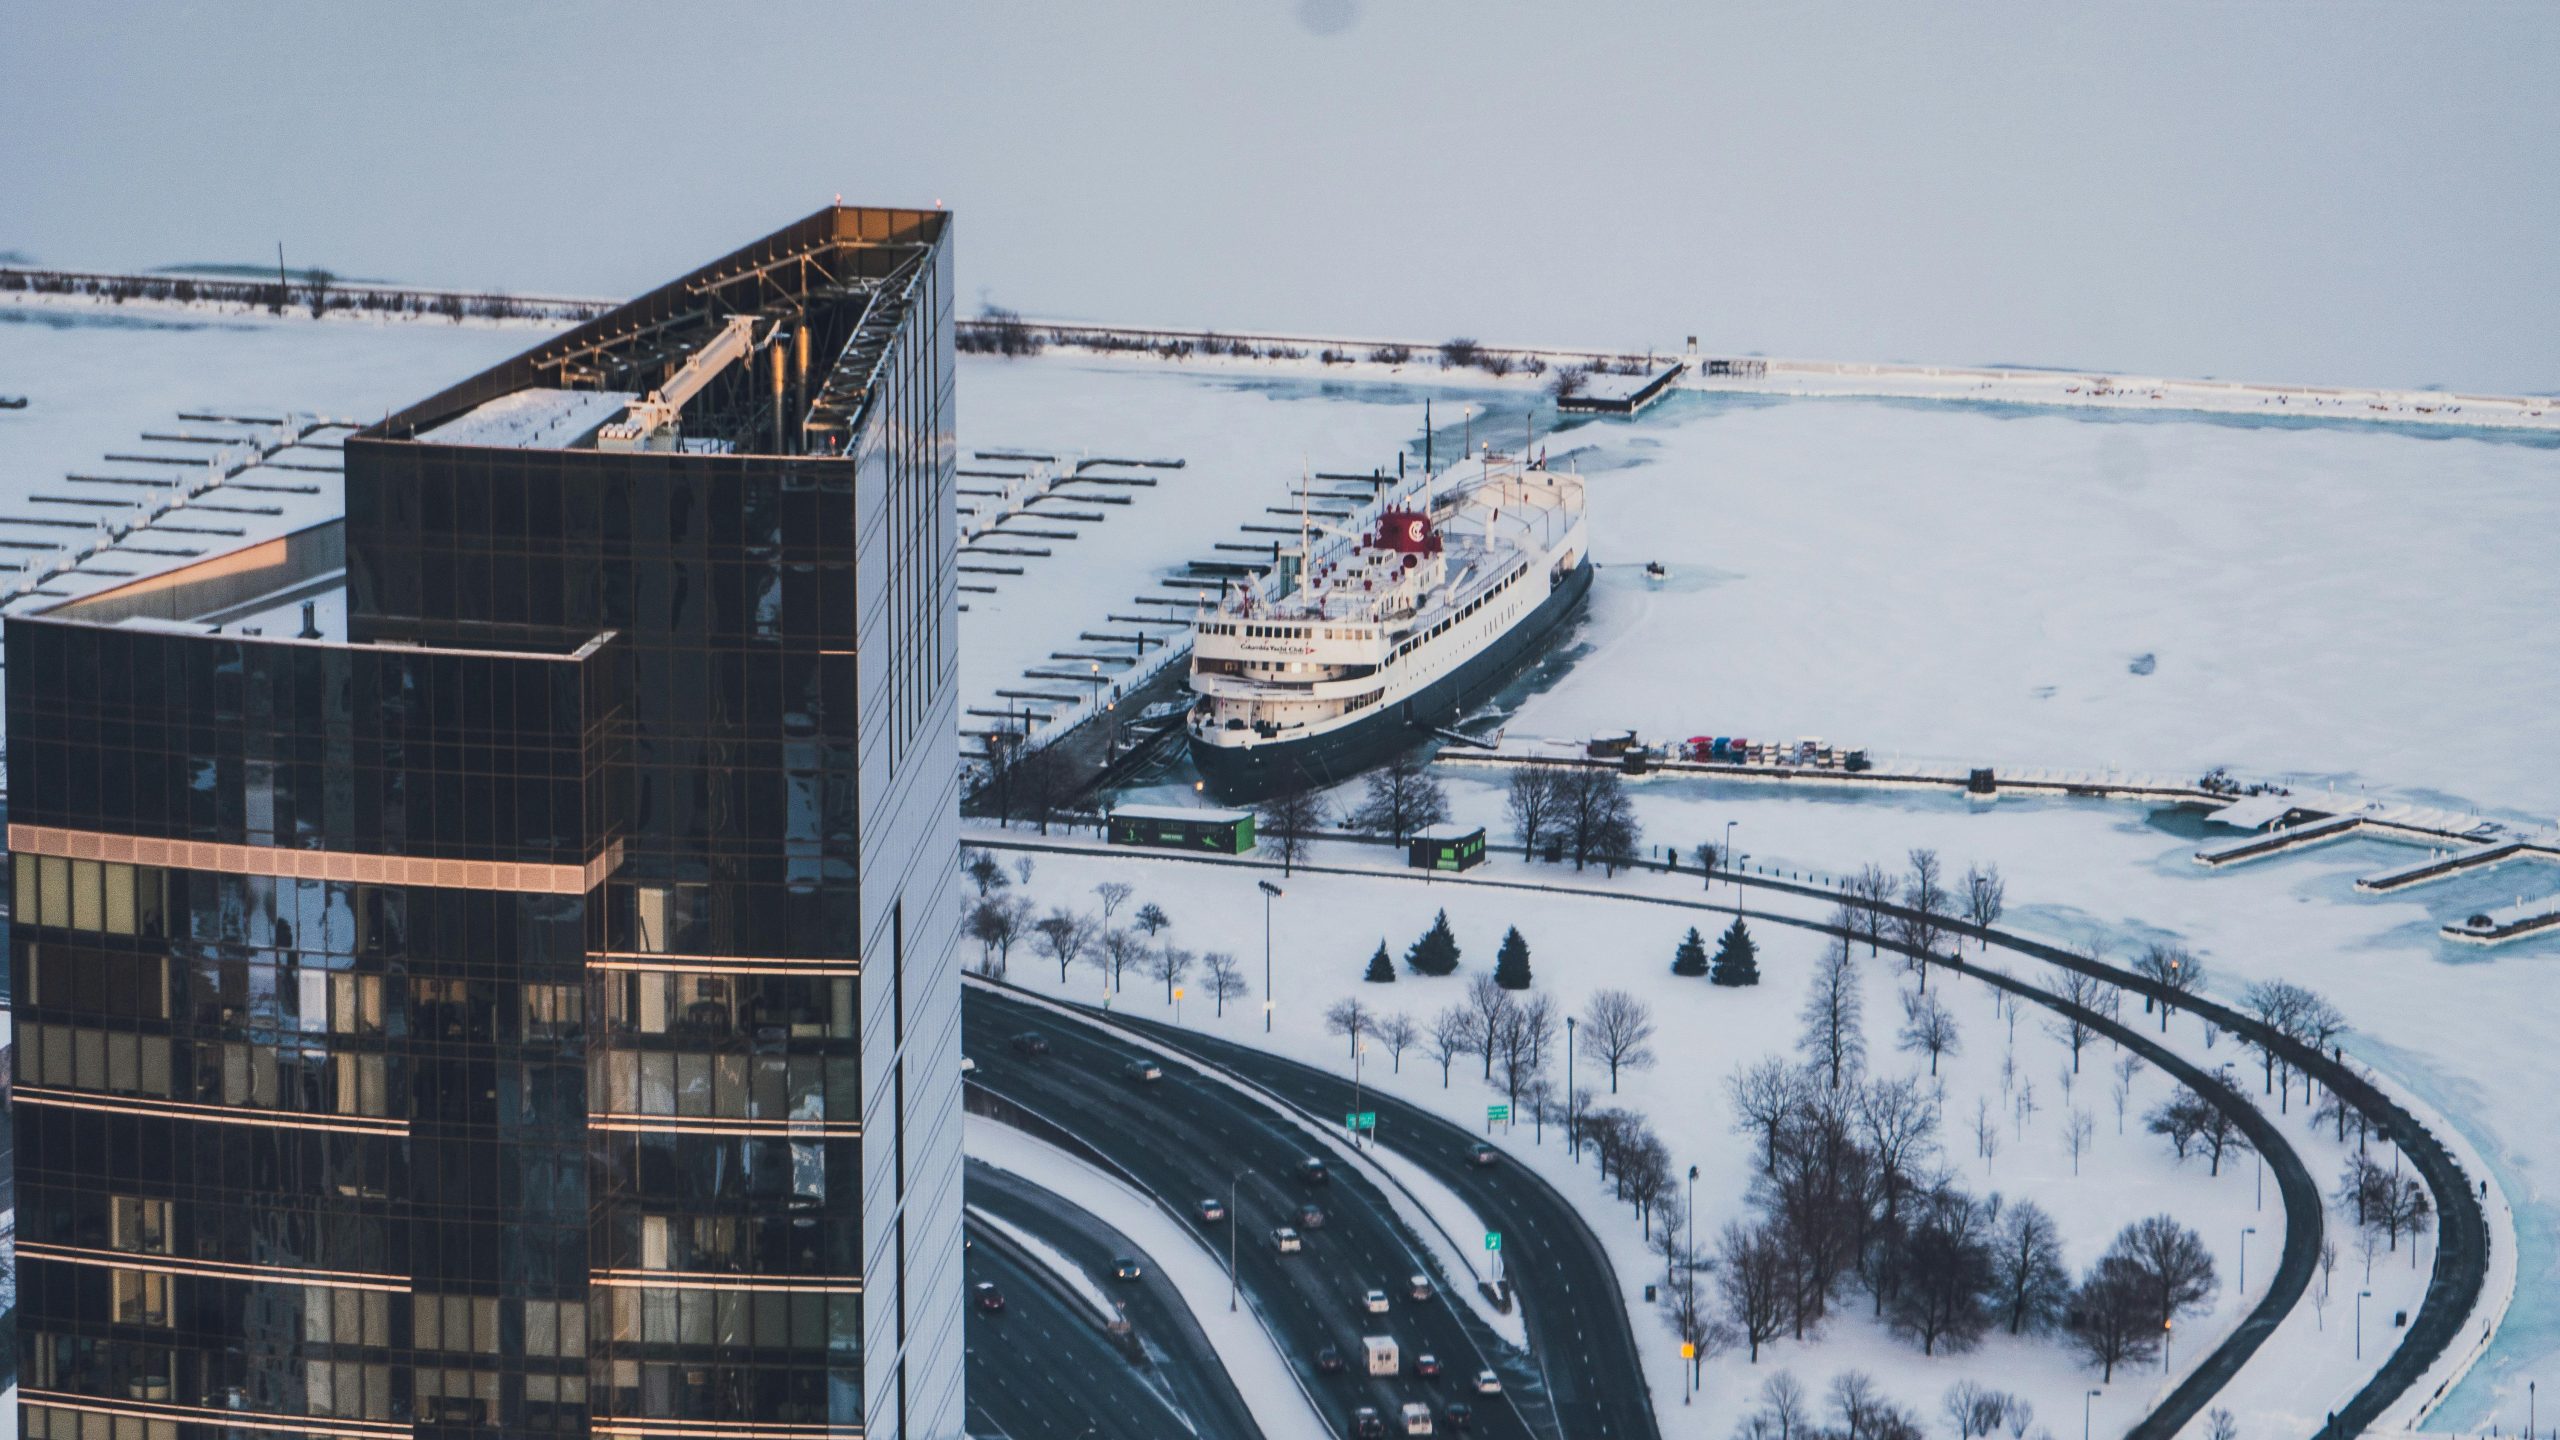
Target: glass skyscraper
[531,1009]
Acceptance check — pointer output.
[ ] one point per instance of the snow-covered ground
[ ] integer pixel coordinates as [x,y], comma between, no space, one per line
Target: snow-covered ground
[1329,923]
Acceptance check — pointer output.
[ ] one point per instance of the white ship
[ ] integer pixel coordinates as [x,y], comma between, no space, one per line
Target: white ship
[1379,637]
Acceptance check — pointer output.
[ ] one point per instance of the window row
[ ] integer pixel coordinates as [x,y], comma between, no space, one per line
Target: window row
[252,1076]
[53,1422]
[732,1086]
[761,1319]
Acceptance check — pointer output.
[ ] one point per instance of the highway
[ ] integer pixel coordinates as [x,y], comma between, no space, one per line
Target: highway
[1577,1316]
[1042,1369]
[1179,1364]
[1188,1136]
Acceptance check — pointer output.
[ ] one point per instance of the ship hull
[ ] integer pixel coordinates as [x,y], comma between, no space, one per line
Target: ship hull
[1245,774]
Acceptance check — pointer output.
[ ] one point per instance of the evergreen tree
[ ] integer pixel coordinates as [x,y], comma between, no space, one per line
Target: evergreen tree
[1737,958]
[1511,962]
[1691,957]
[1436,953]
[1382,969]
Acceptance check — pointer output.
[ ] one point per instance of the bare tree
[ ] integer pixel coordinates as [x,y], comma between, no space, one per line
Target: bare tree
[1400,797]
[2220,1425]
[984,871]
[2172,969]
[2107,1318]
[1492,1006]
[1290,820]
[1595,818]
[1619,1029]
[1525,1037]
[1752,1278]
[1151,920]
[1532,803]
[1869,892]
[1121,948]
[1765,1099]
[1834,1039]
[1986,1132]
[1986,895]
[2126,1067]
[1925,899]
[2029,1285]
[1974,1409]
[1226,978]
[1455,1031]
[2174,1267]
[1167,964]
[1349,1019]
[1899,1124]
[2080,994]
[2075,1136]
[1397,1032]
[1929,1028]
[1114,894]
[1064,937]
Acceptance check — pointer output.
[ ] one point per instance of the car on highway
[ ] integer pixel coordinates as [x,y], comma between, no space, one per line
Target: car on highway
[1418,1286]
[1457,1415]
[1417,1418]
[1285,1240]
[1427,1365]
[1329,1360]
[1145,1072]
[1031,1042]
[1483,1154]
[1312,1171]
[968,1066]
[1366,1422]
[1310,1217]
[1488,1383]
[1375,1302]
[1211,1210]
[1126,1268]
[989,1298]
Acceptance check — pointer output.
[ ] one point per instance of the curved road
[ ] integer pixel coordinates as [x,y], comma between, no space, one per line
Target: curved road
[1576,1314]
[1189,1136]
[2462,1244]
[1179,1359]
[1041,1369]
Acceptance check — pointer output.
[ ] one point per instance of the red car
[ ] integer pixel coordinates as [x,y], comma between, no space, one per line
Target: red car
[1427,1365]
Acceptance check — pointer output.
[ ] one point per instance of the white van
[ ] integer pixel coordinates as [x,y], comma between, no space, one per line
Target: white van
[1383,1357]
[1417,1418]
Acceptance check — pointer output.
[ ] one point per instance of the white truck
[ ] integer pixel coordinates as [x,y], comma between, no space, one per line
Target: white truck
[1417,1418]
[1383,1358]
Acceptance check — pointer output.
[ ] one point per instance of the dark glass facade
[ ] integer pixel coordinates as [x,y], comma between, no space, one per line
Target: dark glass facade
[535,1014]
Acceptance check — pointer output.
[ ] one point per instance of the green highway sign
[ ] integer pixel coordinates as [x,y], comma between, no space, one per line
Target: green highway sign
[1493,1113]
[1493,1239]
[1361,1120]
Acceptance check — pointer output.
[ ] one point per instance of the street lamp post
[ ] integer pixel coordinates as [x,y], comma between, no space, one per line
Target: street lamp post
[2245,1232]
[1728,869]
[2168,1335]
[2261,1202]
[2084,1413]
[1270,892]
[1235,1182]
[1359,1048]
[1572,1142]
[2360,1299]
[1689,1291]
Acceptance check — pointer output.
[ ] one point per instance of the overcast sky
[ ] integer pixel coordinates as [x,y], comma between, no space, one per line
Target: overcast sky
[2315,191]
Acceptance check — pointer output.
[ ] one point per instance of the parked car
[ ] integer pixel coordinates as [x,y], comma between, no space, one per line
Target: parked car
[1419,1287]
[1145,1072]
[1329,1360]
[1126,1268]
[1375,1302]
[989,1298]
[1285,1240]
[1484,1154]
[1211,1210]
[1427,1365]
[1311,1217]
[1031,1042]
[1488,1383]
[1312,1171]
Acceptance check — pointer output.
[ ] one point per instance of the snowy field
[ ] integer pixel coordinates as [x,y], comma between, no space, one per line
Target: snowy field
[2425,1013]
